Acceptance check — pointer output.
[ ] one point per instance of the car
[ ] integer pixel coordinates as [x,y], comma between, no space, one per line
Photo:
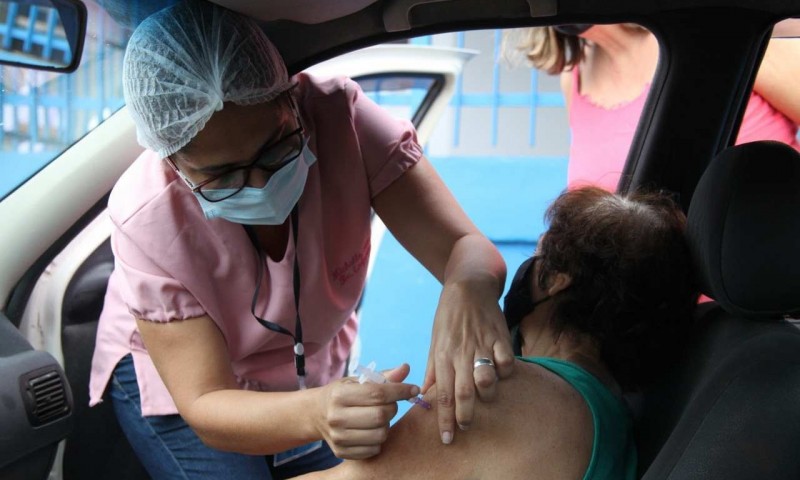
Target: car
[725,411]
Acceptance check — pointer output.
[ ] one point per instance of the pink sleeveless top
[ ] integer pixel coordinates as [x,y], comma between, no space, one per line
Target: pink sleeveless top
[601,137]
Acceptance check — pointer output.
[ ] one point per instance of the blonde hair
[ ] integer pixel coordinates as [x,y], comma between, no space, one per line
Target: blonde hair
[545,48]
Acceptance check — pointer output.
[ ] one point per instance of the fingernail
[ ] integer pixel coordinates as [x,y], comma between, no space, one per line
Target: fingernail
[447,438]
[414,391]
[463,427]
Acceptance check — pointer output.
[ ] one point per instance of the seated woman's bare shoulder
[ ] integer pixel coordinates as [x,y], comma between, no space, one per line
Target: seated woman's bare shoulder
[538,426]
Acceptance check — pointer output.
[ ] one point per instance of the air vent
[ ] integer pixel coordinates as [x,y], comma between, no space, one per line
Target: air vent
[45,398]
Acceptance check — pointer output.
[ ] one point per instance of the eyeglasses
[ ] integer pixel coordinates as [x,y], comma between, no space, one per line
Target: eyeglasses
[270,159]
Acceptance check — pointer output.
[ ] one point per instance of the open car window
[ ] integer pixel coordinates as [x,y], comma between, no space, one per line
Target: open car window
[43,113]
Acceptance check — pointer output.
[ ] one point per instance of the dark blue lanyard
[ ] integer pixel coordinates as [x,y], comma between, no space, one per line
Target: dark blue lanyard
[297,336]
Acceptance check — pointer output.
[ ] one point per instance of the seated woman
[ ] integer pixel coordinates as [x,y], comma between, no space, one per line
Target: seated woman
[608,288]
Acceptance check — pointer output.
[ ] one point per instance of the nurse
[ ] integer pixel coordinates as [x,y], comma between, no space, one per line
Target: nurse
[241,238]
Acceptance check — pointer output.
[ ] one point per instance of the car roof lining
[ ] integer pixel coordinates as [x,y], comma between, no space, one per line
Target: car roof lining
[306,43]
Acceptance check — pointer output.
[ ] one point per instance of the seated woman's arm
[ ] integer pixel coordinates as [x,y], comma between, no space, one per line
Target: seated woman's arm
[537,427]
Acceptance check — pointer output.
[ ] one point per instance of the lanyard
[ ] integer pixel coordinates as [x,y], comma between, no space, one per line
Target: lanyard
[297,336]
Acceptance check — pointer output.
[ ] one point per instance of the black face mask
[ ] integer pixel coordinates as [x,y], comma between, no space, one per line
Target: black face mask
[518,301]
[573,28]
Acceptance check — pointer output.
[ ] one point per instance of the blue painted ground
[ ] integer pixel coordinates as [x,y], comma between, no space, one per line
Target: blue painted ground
[506,199]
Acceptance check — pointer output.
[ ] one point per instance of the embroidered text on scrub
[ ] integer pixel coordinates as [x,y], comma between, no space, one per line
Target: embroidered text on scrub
[368,374]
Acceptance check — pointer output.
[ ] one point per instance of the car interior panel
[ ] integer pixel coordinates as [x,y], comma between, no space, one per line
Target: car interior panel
[37,406]
[96,447]
[727,407]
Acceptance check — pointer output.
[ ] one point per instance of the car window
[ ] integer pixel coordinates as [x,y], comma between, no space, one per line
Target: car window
[43,113]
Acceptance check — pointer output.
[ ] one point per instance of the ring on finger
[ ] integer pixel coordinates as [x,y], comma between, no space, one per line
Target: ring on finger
[483,362]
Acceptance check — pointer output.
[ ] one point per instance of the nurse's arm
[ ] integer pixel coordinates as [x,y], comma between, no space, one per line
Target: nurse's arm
[426,219]
[192,359]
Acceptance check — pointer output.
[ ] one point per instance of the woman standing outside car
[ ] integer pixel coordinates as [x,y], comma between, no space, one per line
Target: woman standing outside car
[241,238]
[606,72]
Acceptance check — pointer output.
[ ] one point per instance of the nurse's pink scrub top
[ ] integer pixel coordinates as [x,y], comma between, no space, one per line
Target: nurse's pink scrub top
[171,263]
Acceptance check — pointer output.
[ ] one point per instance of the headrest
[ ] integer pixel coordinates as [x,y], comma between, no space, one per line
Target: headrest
[744,230]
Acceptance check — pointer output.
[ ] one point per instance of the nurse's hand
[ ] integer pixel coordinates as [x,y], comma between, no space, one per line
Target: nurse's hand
[468,326]
[355,417]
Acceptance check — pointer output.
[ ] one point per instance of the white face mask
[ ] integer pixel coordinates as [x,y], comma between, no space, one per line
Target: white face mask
[268,205]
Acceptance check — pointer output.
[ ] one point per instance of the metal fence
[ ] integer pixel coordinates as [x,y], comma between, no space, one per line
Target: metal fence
[495,98]
[44,113]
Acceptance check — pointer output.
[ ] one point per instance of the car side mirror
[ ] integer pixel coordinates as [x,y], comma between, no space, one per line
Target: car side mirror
[42,34]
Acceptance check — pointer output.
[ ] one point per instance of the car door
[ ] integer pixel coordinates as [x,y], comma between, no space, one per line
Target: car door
[52,286]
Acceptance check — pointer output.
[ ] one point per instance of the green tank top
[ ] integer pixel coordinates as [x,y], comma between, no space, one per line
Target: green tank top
[613,448]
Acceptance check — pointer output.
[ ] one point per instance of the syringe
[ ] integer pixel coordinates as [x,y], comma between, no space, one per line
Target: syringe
[368,374]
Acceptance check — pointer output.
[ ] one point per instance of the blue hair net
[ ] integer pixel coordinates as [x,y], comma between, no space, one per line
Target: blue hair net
[183,62]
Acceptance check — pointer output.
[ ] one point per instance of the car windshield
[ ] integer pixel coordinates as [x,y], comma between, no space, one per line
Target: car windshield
[45,113]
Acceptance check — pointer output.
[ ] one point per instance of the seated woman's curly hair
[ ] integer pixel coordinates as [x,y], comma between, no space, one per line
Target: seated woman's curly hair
[632,287]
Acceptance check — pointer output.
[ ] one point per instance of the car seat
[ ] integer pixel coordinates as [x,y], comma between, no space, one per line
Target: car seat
[96,448]
[729,407]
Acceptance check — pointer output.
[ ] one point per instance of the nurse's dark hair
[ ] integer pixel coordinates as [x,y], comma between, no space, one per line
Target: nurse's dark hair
[633,287]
